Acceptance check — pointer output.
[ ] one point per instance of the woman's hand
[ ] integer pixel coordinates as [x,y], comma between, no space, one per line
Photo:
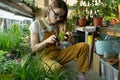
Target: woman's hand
[69,34]
[51,39]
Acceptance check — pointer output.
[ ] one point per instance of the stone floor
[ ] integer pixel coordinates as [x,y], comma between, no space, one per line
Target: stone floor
[90,75]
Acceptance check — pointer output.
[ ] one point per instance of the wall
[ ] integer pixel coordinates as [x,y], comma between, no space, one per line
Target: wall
[43,4]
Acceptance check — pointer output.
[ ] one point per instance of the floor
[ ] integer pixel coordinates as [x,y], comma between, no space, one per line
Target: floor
[90,75]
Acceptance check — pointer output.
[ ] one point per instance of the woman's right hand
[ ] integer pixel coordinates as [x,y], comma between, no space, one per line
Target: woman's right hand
[51,39]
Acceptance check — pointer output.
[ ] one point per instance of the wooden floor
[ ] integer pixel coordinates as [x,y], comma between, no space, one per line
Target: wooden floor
[90,75]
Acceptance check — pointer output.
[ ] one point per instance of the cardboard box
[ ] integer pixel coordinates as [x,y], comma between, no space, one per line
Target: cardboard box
[96,63]
[119,70]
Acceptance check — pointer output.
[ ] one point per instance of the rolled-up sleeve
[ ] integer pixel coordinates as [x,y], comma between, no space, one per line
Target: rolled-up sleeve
[35,26]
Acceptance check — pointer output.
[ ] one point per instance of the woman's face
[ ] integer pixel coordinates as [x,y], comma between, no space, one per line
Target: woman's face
[56,15]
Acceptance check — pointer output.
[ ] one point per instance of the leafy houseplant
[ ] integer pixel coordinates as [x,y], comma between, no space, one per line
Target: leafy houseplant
[75,18]
[111,12]
[75,15]
[82,16]
[102,8]
[70,24]
[79,13]
[97,13]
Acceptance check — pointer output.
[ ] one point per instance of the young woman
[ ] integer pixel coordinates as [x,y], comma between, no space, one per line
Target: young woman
[44,36]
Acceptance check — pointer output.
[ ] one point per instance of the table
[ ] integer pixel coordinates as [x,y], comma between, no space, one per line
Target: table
[87,30]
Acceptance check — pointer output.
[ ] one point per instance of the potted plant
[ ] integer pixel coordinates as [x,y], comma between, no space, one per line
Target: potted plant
[82,16]
[97,13]
[75,18]
[79,14]
[75,15]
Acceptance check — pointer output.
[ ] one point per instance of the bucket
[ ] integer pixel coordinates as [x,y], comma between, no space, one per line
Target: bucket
[64,44]
[103,46]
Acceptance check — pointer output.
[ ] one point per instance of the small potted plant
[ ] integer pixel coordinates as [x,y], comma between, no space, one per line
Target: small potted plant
[82,16]
[97,11]
[80,12]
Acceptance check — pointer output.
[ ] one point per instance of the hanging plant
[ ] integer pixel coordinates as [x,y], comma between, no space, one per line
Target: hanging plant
[32,5]
[36,9]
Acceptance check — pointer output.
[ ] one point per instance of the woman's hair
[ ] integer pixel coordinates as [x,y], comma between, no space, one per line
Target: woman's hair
[60,4]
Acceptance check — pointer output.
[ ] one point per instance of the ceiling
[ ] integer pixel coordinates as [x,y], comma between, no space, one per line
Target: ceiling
[16,7]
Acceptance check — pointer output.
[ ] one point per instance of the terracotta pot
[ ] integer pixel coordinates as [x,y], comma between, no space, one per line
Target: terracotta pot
[82,22]
[98,21]
[114,21]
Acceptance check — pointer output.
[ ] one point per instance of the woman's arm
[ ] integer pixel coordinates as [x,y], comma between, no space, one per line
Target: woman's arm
[36,45]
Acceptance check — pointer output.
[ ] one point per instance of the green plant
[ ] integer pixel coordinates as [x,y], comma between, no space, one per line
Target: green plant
[25,34]
[2,53]
[32,68]
[111,17]
[79,10]
[82,12]
[61,35]
[76,7]
[31,4]
[103,8]
[10,42]
[97,10]
[25,31]
[111,11]
[10,38]
[7,66]
[70,24]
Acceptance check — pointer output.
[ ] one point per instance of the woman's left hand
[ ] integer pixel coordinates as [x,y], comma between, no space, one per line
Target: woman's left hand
[69,34]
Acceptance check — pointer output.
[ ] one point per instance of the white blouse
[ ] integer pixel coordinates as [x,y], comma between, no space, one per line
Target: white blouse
[36,27]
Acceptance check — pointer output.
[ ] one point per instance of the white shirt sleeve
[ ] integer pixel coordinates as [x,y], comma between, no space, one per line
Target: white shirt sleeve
[35,26]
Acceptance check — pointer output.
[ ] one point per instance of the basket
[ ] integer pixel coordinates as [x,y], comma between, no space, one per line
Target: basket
[108,72]
[103,46]
[116,46]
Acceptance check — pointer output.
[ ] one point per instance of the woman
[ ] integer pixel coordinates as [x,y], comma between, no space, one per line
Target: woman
[44,36]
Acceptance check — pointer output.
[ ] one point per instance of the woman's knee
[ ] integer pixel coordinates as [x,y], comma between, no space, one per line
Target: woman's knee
[83,45]
[52,65]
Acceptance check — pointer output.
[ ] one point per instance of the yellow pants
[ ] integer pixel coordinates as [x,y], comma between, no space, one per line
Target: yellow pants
[78,52]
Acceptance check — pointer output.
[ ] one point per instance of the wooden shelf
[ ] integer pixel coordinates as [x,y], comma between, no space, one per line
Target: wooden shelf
[17,8]
[112,31]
